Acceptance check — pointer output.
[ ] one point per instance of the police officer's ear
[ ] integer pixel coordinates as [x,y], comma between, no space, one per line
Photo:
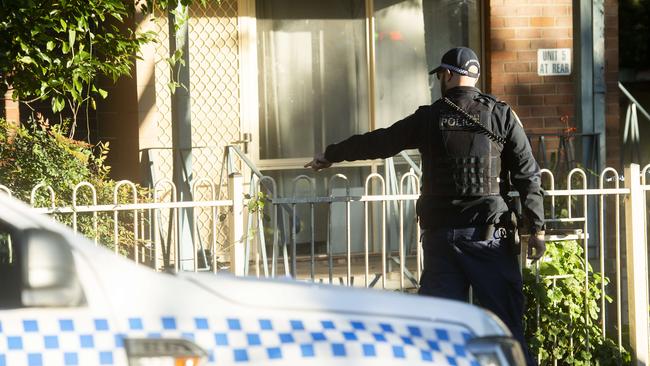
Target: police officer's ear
[443,74]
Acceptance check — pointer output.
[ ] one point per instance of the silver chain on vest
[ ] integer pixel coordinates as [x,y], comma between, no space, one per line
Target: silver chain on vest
[482,129]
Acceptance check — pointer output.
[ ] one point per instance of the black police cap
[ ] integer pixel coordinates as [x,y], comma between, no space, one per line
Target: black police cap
[461,60]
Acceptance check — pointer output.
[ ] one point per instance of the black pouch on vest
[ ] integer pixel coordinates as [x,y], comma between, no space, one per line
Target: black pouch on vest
[512,233]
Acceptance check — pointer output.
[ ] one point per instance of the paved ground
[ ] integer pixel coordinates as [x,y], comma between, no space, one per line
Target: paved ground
[339,270]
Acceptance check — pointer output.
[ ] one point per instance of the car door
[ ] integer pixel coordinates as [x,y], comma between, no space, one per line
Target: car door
[50,312]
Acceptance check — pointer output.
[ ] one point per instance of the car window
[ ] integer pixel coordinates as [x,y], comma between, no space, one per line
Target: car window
[10,277]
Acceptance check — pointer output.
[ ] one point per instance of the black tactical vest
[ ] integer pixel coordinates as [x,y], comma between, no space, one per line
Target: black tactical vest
[465,161]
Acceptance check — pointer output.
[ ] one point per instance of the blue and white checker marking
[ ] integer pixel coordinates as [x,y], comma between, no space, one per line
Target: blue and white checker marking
[65,341]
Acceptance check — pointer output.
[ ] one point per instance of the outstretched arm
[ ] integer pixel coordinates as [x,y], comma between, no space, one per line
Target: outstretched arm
[380,143]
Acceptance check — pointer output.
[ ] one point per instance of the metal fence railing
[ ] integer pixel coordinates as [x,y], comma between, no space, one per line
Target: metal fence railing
[631,135]
[286,226]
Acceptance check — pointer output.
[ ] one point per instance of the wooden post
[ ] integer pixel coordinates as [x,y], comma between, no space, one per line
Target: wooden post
[637,266]
[236,224]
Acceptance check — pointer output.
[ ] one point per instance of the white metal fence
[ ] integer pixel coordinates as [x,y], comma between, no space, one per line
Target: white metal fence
[258,223]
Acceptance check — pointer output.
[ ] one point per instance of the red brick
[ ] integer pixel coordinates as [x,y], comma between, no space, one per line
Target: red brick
[564,21]
[517,67]
[532,122]
[529,78]
[527,33]
[517,22]
[557,79]
[555,11]
[503,79]
[566,110]
[542,89]
[529,11]
[496,89]
[564,43]
[611,42]
[565,88]
[497,44]
[556,33]
[504,33]
[555,122]
[542,21]
[611,98]
[543,111]
[517,89]
[611,22]
[523,112]
[517,44]
[504,56]
[543,43]
[500,10]
[497,66]
[558,99]
[612,121]
[511,100]
[530,100]
[527,55]
[497,22]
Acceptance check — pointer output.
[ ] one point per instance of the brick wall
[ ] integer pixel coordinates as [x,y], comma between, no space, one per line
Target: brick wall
[545,104]
[10,108]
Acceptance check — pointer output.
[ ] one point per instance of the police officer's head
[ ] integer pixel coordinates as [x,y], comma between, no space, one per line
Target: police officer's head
[459,67]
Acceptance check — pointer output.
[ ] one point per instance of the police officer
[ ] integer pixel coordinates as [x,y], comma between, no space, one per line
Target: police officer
[473,147]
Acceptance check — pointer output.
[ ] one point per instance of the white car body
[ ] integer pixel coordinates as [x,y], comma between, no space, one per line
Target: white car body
[234,320]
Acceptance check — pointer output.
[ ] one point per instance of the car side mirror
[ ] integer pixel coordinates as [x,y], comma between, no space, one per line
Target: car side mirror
[48,271]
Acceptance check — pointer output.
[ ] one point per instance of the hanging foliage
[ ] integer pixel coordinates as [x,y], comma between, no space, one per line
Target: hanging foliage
[57,50]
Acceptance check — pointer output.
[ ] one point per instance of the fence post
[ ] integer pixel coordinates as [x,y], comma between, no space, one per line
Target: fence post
[637,282]
[236,223]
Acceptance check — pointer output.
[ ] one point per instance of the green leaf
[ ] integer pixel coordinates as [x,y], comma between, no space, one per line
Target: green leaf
[102,92]
[50,45]
[72,35]
[57,104]
[64,25]
[77,84]
[26,60]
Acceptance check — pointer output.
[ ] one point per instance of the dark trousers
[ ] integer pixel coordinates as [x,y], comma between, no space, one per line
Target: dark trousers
[455,258]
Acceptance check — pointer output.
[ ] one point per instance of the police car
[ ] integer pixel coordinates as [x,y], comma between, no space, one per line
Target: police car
[64,301]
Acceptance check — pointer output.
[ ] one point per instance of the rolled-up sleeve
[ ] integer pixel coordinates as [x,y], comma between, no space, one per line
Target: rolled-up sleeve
[524,171]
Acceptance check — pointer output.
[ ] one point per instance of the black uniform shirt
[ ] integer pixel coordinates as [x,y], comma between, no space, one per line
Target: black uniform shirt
[413,131]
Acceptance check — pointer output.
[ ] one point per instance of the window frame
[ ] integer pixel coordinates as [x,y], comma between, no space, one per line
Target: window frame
[249,88]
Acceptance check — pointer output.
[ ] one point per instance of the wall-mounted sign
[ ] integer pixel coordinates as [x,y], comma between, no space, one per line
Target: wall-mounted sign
[553,61]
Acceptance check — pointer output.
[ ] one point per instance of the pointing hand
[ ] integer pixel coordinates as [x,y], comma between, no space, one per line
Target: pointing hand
[319,162]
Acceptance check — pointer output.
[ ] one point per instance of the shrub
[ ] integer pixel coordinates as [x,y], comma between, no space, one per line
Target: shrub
[563,328]
[40,153]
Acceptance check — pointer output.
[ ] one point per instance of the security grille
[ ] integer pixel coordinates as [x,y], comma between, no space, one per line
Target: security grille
[214,87]
[214,99]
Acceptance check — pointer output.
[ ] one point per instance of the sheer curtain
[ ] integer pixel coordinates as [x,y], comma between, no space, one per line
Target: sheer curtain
[313,86]
[411,37]
[313,75]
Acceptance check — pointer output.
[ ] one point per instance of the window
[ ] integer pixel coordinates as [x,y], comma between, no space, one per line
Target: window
[314,79]
[313,68]
[410,38]
[313,75]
